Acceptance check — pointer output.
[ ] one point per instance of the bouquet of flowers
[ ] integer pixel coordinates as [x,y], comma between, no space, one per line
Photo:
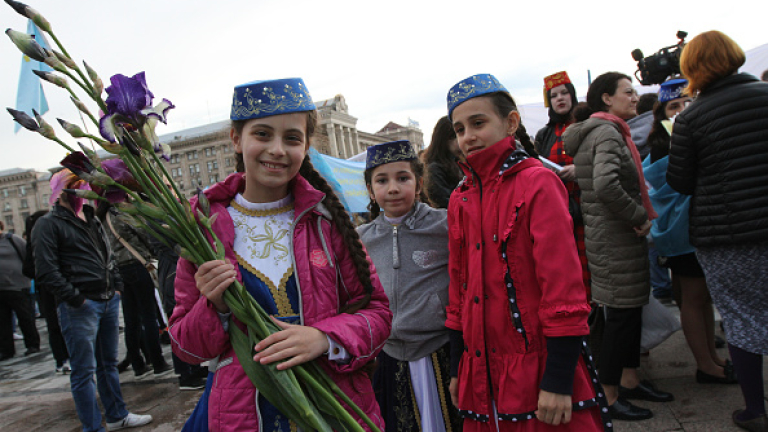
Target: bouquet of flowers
[138,184]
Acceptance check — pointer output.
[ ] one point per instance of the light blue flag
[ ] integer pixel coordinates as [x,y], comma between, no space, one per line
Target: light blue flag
[346,179]
[30,93]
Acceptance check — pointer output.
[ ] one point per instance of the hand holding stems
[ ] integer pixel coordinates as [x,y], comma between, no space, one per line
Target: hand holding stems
[212,279]
[643,229]
[297,343]
[554,408]
[568,173]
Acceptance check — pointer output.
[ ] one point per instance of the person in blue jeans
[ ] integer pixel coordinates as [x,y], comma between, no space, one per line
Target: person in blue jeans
[74,260]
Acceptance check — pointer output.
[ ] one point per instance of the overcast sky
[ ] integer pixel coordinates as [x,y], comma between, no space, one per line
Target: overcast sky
[392,60]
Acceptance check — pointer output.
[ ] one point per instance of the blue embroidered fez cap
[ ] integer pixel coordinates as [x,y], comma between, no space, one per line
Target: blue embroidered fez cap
[259,99]
[474,86]
[384,153]
[672,89]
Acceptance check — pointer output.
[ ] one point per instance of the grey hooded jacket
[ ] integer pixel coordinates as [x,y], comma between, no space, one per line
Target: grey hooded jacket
[411,260]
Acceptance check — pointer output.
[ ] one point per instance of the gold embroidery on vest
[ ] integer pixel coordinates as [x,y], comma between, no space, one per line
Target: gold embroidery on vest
[261,213]
[280,296]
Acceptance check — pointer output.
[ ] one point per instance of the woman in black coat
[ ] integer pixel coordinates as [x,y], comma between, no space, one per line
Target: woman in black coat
[719,155]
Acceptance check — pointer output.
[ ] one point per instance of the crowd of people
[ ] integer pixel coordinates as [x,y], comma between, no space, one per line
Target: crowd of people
[499,283]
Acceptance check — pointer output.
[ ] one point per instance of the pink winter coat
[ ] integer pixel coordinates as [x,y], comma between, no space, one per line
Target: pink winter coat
[327,280]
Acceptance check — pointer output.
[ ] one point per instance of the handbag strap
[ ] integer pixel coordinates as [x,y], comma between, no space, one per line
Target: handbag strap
[122,241]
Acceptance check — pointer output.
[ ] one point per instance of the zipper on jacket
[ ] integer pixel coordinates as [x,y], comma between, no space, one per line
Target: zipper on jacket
[293,258]
[395,249]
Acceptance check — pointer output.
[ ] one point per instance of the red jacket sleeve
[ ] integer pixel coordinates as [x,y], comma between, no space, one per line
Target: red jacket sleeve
[196,331]
[455,266]
[364,332]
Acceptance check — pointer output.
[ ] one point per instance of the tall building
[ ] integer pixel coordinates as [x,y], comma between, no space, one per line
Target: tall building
[204,155]
[22,192]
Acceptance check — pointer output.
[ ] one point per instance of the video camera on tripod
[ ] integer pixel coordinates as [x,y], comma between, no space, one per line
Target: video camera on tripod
[656,68]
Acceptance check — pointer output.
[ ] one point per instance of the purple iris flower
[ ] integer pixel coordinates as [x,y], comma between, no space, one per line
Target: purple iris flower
[128,96]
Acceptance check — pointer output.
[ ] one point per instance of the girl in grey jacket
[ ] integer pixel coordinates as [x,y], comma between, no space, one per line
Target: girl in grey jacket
[408,243]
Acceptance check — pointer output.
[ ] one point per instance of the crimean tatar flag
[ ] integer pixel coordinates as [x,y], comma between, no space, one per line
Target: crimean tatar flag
[30,93]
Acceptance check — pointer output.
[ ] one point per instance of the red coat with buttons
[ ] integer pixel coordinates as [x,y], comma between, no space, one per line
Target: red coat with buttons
[511,205]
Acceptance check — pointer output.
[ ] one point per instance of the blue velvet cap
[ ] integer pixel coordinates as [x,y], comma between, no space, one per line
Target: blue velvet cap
[672,89]
[384,153]
[474,86]
[259,99]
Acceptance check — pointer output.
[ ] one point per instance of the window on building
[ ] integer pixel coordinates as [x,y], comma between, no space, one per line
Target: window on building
[24,216]
[24,203]
[228,162]
[194,169]
[181,185]
[45,199]
[207,151]
[7,207]
[5,193]
[8,222]
[174,158]
[192,155]
[22,190]
[214,178]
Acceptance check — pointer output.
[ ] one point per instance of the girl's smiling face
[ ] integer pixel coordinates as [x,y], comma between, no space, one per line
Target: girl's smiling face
[394,188]
[478,124]
[273,150]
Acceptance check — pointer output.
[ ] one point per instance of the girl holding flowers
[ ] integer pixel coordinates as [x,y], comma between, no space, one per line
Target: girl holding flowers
[289,240]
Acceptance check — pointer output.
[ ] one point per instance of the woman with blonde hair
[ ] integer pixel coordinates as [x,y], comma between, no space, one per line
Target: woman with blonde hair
[719,155]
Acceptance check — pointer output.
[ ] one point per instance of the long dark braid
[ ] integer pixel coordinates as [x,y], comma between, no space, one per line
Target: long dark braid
[504,104]
[347,230]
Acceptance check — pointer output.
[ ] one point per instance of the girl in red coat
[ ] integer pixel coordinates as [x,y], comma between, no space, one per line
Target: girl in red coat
[518,306]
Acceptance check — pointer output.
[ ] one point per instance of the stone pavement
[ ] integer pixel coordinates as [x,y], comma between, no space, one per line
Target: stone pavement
[33,398]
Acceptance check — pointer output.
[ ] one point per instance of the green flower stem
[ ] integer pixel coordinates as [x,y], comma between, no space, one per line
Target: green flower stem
[174,200]
[92,137]
[323,392]
[171,205]
[180,198]
[63,144]
[87,85]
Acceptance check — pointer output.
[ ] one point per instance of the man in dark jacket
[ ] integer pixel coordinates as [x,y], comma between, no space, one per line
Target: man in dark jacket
[73,259]
[15,297]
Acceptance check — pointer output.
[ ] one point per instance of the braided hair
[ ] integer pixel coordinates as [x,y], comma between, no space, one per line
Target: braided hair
[417,168]
[339,215]
[504,104]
